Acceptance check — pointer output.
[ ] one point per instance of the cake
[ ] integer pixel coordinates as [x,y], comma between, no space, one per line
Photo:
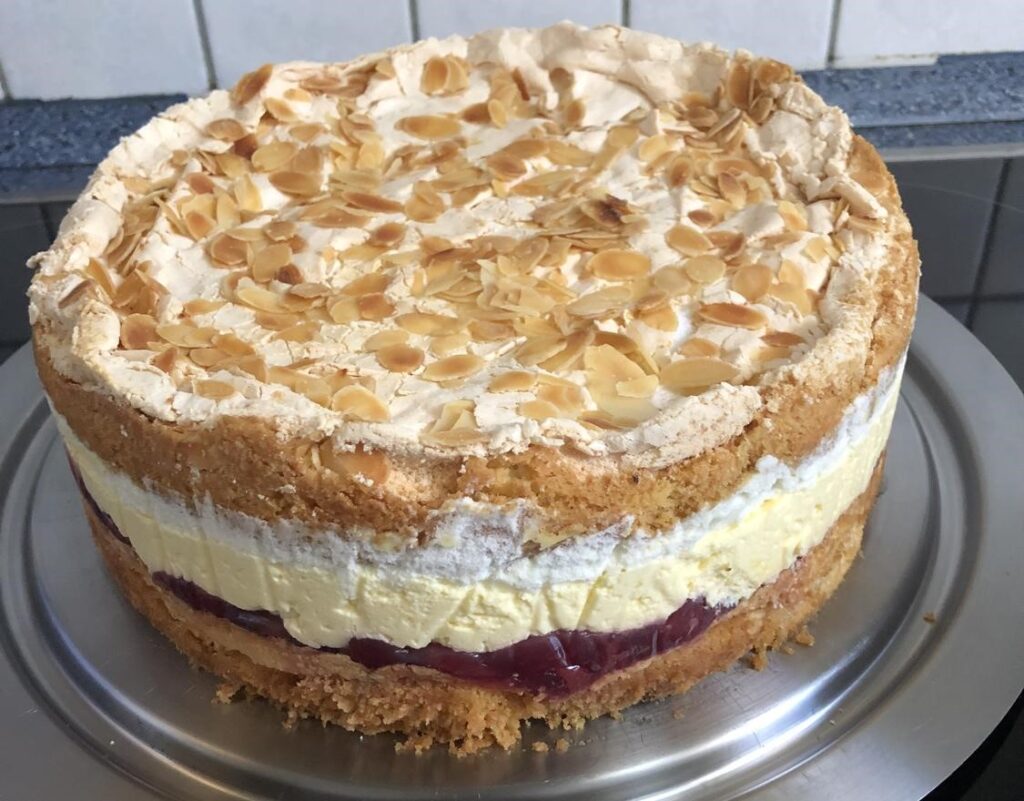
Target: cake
[524,376]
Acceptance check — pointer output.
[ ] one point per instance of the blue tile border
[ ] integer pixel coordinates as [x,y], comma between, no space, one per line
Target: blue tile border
[47,149]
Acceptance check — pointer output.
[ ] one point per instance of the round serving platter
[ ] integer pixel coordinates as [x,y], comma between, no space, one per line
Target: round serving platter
[918,655]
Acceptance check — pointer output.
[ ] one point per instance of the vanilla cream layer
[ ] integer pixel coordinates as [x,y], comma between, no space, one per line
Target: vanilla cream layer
[722,554]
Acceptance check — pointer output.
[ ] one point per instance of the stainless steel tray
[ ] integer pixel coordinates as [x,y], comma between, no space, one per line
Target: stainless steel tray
[95,705]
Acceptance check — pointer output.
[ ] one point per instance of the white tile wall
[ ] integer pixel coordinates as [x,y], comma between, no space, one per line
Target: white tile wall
[901,31]
[795,31]
[444,17]
[100,48]
[246,33]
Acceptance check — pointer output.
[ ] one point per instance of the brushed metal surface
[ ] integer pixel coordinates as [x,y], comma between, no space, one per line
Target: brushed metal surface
[884,706]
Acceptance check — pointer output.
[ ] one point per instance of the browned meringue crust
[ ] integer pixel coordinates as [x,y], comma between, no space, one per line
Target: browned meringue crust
[242,464]
[430,707]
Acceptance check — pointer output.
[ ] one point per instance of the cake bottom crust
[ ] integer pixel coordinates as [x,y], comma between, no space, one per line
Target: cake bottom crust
[428,706]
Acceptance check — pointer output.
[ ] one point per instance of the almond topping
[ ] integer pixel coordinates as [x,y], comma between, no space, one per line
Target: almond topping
[782,339]
[619,265]
[269,260]
[429,126]
[250,84]
[513,381]
[400,358]
[214,390]
[688,241]
[357,402]
[226,129]
[687,375]
[752,281]
[705,269]
[273,156]
[303,184]
[462,365]
[430,324]
[733,314]
[538,410]
[137,331]
[696,346]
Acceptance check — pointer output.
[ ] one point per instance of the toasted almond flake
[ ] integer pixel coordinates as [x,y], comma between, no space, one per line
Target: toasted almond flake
[782,339]
[250,84]
[619,265]
[790,273]
[254,366]
[733,314]
[793,216]
[538,410]
[371,202]
[688,241]
[207,357]
[280,109]
[434,76]
[400,358]
[653,148]
[461,365]
[388,234]
[704,269]
[816,249]
[607,302]
[280,230]
[214,390]
[752,281]
[442,346]
[273,155]
[497,112]
[673,280]
[490,331]
[202,306]
[637,387]
[661,317]
[513,381]
[269,260]
[697,346]
[137,331]
[231,345]
[166,360]
[302,184]
[289,274]
[537,349]
[185,336]
[200,183]
[795,295]
[686,375]
[428,126]
[357,402]
[199,225]
[227,129]
[383,339]
[525,148]
[259,298]
[429,324]
[575,113]
[226,250]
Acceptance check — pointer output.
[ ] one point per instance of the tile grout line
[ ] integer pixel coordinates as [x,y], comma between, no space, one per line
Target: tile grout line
[204,44]
[51,229]
[833,33]
[986,247]
[414,20]
[627,13]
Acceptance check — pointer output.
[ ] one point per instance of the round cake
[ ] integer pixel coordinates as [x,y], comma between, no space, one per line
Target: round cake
[528,375]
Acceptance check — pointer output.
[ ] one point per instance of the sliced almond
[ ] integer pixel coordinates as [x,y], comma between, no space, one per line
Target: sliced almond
[513,381]
[290,182]
[538,410]
[400,358]
[704,269]
[688,241]
[273,155]
[214,390]
[429,126]
[697,346]
[686,375]
[752,281]
[608,302]
[250,84]
[357,402]
[461,365]
[619,265]
[733,314]
[429,324]
[137,331]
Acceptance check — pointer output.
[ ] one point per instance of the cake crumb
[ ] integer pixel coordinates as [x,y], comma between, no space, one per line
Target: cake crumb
[615,714]
[226,692]
[929,617]
[561,745]
[758,659]
[804,637]
[540,747]
[678,714]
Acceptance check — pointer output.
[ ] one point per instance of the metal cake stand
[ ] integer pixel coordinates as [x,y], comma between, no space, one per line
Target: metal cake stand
[918,656]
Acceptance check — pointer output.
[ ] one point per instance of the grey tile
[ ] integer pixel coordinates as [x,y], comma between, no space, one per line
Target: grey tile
[949,204]
[22,234]
[6,351]
[1004,272]
[105,48]
[795,31]
[53,213]
[444,17]
[999,324]
[307,30]
[873,32]
[958,308]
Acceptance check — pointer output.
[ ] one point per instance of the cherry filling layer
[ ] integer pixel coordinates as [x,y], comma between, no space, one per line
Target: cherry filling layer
[556,665]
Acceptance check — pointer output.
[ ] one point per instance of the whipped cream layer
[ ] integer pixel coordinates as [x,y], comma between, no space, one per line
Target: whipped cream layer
[473,588]
[753,248]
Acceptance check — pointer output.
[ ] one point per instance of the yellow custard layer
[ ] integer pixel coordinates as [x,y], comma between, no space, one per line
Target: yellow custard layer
[326,605]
